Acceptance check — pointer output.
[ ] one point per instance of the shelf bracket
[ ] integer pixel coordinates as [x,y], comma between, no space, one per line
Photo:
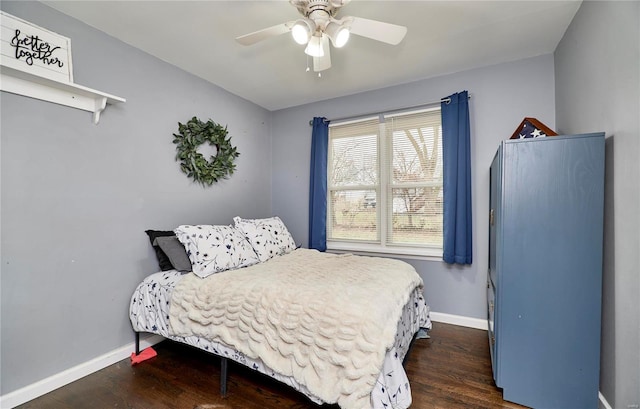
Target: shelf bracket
[101,104]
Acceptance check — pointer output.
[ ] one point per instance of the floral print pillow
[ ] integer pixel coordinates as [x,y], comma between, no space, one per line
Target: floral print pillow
[268,237]
[212,249]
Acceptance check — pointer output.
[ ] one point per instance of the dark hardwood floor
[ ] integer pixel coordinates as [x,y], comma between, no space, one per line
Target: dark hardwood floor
[452,369]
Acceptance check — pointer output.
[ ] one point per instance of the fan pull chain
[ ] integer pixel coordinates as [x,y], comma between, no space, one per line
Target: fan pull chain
[309,69]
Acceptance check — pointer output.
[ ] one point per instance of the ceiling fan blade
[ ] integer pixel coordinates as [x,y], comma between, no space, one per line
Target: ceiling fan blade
[324,62]
[378,30]
[257,36]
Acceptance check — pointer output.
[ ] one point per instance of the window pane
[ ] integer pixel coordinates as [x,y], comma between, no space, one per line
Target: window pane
[417,151]
[353,215]
[417,216]
[354,161]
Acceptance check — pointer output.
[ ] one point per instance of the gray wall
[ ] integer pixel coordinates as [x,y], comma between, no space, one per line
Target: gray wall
[597,67]
[77,197]
[501,96]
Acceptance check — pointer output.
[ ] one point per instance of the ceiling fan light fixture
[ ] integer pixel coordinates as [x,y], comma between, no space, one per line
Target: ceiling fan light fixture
[314,47]
[318,28]
[338,33]
[301,32]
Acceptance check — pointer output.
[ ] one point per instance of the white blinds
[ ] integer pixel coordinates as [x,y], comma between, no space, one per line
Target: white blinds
[353,154]
[385,180]
[417,152]
[415,184]
[353,181]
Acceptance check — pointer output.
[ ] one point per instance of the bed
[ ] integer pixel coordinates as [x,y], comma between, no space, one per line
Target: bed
[334,327]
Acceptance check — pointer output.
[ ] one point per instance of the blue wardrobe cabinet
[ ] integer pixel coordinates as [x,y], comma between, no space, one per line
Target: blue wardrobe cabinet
[544,286]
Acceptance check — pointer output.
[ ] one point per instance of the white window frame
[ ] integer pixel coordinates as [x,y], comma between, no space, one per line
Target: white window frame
[382,248]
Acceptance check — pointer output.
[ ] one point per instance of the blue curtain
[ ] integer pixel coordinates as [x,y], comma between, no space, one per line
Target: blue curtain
[318,185]
[456,179]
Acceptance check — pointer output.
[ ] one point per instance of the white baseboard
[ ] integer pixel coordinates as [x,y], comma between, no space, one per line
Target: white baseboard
[58,380]
[603,402]
[65,377]
[460,320]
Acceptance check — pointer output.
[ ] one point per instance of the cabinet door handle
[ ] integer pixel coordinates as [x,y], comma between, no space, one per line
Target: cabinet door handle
[491,217]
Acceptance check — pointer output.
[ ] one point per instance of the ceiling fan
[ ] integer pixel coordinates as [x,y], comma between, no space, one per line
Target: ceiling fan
[319,25]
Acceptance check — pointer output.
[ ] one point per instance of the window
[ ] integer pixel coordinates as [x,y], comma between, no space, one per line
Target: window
[385,184]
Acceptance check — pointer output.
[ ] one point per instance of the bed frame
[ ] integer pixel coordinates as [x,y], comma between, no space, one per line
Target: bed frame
[224,362]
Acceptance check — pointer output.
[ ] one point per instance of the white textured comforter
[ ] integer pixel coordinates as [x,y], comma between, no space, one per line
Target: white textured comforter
[326,320]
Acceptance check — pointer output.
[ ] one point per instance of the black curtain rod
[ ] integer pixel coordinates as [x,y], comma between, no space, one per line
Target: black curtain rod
[445,100]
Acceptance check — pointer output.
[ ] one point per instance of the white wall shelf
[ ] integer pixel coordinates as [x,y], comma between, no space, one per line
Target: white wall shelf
[64,93]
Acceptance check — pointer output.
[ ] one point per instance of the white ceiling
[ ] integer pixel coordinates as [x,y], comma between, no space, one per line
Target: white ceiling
[443,37]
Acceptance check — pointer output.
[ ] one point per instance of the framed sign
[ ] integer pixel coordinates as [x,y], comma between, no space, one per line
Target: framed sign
[29,48]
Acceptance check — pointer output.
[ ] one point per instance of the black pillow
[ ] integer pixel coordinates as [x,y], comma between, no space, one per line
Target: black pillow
[175,251]
[163,259]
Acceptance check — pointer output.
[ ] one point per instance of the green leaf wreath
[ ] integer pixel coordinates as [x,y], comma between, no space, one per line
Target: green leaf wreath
[193,134]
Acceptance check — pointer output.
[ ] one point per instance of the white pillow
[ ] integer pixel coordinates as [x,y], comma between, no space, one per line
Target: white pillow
[268,237]
[212,249]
